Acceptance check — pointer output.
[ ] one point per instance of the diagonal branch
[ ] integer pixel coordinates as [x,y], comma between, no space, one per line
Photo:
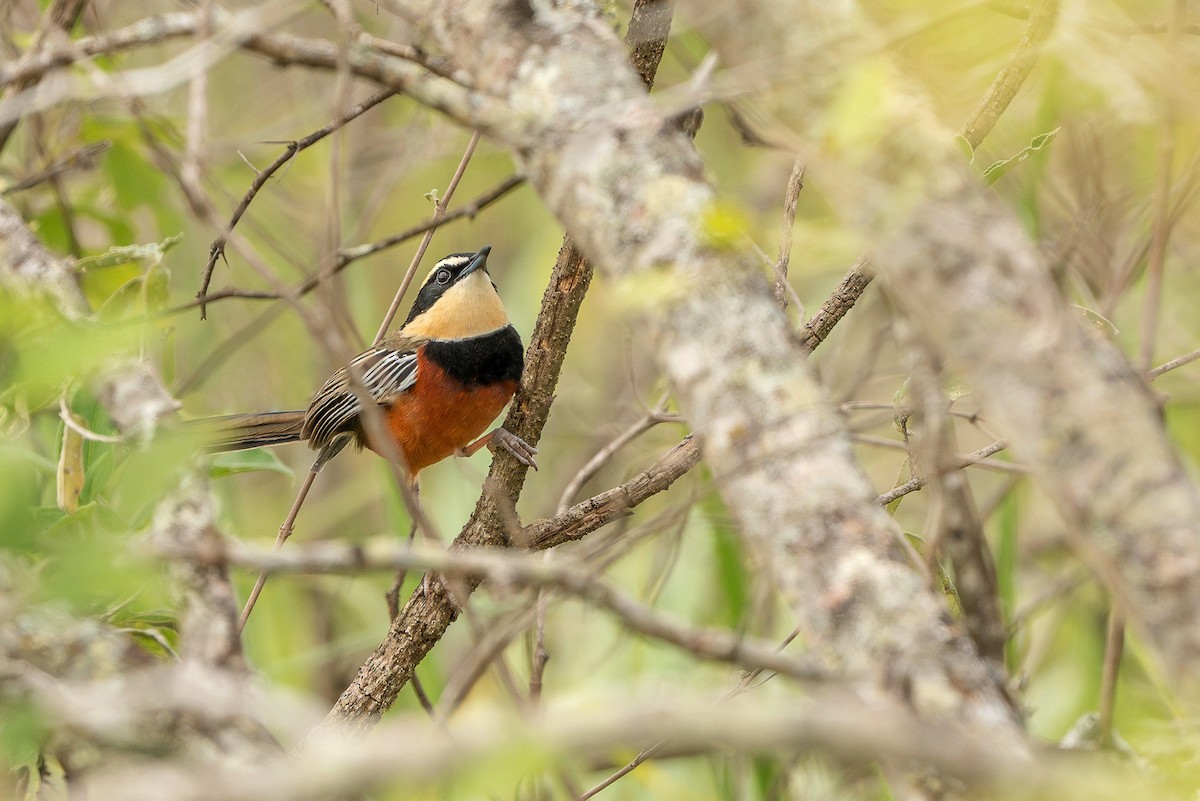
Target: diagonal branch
[978,293]
[217,249]
[427,615]
[429,612]
[631,188]
[1004,89]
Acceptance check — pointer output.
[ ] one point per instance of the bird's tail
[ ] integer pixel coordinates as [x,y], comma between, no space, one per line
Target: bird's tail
[237,432]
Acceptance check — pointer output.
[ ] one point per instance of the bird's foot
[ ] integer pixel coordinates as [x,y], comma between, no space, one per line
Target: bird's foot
[506,440]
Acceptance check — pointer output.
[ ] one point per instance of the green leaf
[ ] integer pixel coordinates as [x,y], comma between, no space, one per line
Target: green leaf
[124,254]
[966,148]
[23,731]
[1001,168]
[156,287]
[133,178]
[251,461]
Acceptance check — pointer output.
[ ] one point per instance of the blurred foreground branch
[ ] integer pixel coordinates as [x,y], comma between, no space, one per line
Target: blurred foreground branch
[421,752]
[976,292]
[765,423]
[136,401]
[505,569]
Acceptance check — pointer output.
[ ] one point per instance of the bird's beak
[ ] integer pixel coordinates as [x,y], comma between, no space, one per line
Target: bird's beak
[479,260]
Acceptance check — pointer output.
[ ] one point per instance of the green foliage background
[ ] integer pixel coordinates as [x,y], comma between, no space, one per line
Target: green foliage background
[1085,196]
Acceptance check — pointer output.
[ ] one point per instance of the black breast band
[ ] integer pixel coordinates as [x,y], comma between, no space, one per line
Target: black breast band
[478,361]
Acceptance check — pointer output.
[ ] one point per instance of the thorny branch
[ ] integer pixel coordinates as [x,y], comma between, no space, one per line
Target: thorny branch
[217,249]
[347,256]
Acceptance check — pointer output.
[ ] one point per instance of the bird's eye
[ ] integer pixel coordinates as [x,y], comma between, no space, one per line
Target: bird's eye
[443,277]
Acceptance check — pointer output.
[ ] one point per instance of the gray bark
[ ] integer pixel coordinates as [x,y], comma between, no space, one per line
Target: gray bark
[631,189]
[976,290]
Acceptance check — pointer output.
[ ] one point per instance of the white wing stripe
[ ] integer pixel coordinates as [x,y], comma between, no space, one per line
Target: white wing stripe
[389,373]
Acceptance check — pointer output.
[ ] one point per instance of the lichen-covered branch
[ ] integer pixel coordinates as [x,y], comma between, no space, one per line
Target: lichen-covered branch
[977,291]
[420,753]
[630,187]
[136,401]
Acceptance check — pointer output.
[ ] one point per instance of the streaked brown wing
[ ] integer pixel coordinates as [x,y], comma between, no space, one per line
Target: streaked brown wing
[385,373]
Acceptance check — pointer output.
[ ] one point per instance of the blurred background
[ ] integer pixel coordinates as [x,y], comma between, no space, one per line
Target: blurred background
[1102,138]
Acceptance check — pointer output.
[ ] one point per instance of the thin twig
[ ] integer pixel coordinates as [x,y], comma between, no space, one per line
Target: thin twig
[1008,82]
[286,528]
[1175,364]
[60,19]
[645,754]
[790,200]
[285,531]
[428,77]
[504,567]
[439,213]
[917,482]
[197,118]
[1161,229]
[540,656]
[217,249]
[586,516]
[977,457]
[64,414]
[347,256]
[606,453]
[1114,647]
[242,336]
[963,460]
[1058,589]
[82,158]
[839,302]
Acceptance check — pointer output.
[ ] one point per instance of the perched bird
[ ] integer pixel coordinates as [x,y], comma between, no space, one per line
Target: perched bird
[438,381]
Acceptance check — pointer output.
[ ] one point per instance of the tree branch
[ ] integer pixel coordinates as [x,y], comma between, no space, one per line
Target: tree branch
[506,568]
[1004,89]
[631,189]
[977,291]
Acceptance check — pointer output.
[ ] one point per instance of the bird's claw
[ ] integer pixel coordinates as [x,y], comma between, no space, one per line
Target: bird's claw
[521,450]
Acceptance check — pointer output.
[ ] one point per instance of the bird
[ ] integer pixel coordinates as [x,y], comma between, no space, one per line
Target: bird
[438,381]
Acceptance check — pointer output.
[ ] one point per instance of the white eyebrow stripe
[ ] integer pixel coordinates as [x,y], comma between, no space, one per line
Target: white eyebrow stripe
[448,261]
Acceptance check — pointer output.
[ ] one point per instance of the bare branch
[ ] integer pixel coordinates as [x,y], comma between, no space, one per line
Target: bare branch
[585,517]
[83,158]
[505,569]
[217,249]
[244,30]
[347,256]
[835,307]
[439,214]
[790,199]
[606,453]
[765,423]
[837,722]
[917,482]
[1041,24]
[1175,364]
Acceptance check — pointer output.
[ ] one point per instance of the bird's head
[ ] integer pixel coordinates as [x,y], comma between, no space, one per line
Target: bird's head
[457,300]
